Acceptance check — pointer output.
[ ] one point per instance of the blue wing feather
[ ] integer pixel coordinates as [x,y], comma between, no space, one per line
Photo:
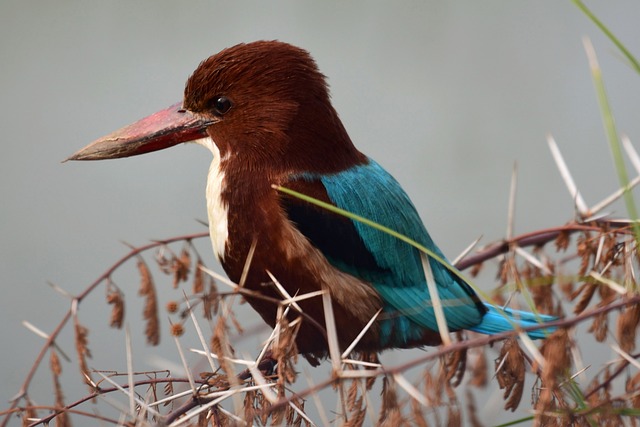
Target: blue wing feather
[371,192]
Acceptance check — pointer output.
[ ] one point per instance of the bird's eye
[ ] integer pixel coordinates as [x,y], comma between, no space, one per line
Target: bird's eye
[221,104]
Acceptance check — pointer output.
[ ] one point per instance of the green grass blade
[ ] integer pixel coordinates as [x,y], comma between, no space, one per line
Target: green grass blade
[632,60]
[612,135]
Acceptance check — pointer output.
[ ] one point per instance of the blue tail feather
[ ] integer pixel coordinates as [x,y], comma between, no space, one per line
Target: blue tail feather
[498,320]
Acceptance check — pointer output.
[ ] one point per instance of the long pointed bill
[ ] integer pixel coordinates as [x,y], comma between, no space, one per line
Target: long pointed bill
[163,129]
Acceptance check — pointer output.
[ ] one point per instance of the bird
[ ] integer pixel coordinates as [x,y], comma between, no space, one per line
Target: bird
[263,109]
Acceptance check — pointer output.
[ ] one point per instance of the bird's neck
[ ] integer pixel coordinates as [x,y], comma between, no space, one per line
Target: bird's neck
[241,207]
[217,208]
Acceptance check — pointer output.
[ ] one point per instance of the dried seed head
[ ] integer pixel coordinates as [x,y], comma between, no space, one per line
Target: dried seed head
[146,281]
[585,251]
[556,350]
[177,329]
[510,370]
[172,306]
[389,402]
[114,297]
[632,387]
[150,311]
[54,362]
[168,391]
[476,269]
[627,327]
[455,365]
[600,327]
[220,346]
[563,240]
[503,271]
[352,395]
[82,350]
[198,278]
[180,267]
[586,291]
[433,389]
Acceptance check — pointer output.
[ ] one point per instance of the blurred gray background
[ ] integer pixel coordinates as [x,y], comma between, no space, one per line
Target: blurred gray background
[445,95]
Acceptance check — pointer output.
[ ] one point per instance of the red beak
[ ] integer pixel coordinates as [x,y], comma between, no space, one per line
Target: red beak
[163,129]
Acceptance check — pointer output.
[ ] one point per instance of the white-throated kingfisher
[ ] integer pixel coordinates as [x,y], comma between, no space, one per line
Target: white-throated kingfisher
[263,110]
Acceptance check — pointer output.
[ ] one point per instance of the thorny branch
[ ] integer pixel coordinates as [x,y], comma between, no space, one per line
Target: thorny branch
[536,239]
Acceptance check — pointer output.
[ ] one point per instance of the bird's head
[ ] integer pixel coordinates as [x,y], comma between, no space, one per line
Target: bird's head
[264,104]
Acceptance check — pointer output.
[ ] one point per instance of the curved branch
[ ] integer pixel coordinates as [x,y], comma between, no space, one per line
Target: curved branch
[52,337]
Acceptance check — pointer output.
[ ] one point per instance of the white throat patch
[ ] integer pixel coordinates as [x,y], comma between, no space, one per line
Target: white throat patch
[217,210]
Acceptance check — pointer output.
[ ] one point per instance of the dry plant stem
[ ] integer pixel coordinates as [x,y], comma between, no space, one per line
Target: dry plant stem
[79,298]
[619,370]
[106,390]
[536,238]
[91,415]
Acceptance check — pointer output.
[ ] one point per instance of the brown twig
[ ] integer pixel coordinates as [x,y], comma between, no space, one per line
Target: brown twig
[52,337]
[467,344]
[537,238]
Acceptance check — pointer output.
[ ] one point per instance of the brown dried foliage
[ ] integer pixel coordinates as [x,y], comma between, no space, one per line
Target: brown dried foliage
[557,356]
[510,370]
[539,283]
[357,414]
[285,352]
[248,405]
[177,330]
[600,325]
[62,419]
[504,271]
[168,391]
[82,350]
[115,298]
[586,249]
[476,269]
[586,292]
[278,414]
[627,327]
[553,405]
[293,417]
[455,364]
[562,241]
[210,300]
[198,278]
[172,307]
[180,267]
[603,410]
[432,389]
[54,363]
[632,387]
[150,311]
[390,410]
[220,346]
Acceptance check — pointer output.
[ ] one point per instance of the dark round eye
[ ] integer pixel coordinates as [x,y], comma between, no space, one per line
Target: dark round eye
[221,104]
